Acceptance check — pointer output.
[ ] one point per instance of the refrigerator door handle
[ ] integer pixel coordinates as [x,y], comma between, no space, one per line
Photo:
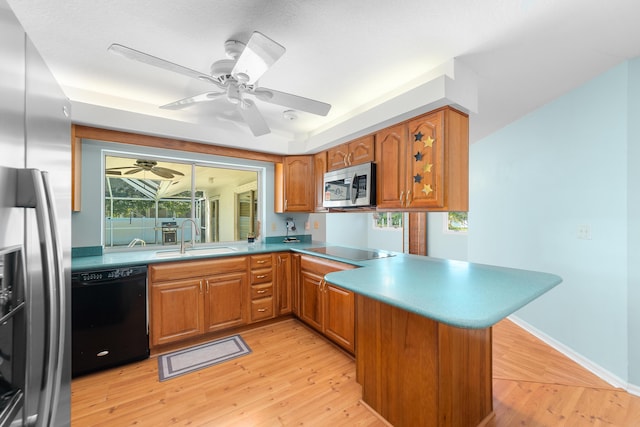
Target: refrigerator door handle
[34,191]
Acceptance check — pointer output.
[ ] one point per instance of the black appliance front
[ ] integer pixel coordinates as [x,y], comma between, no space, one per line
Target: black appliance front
[108,318]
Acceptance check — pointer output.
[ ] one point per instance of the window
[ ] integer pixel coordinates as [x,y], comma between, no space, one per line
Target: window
[387,220]
[147,199]
[457,222]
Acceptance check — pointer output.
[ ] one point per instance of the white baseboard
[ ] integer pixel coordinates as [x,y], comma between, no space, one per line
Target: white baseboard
[594,368]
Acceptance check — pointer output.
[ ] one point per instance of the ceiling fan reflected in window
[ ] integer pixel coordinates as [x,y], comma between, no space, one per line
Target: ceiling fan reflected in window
[236,78]
[144,165]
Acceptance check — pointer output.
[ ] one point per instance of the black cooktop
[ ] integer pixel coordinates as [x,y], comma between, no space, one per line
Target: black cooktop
[350,253]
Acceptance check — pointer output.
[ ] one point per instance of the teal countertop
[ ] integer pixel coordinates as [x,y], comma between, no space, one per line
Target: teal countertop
[457,293]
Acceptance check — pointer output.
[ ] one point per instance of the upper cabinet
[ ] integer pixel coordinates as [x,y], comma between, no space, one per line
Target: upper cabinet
[423,163]
[319,168]
[294,190]
[351,153]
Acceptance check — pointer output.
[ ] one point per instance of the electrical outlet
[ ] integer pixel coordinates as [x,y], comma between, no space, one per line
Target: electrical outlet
[584,232]
[274,227]
[316,225]
[307,226]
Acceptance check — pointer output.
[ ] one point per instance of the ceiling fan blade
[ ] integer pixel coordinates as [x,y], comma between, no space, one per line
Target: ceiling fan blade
[167,170]
[258,56]
[186,102]
[136,55]
[132,171]
[292,101]
[253,118]
[162,173]
[122,167]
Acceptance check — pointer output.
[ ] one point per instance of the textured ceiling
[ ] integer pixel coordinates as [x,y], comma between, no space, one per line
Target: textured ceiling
[354,55]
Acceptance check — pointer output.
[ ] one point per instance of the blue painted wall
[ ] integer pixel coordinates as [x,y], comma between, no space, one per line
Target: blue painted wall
[534,183]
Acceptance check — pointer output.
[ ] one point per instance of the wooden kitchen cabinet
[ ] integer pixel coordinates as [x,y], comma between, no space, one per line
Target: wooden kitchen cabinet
[352,153]
[325,307]
[262,296]
[423,163]
[319,169]
[283,283]
[294,186]
[191,298]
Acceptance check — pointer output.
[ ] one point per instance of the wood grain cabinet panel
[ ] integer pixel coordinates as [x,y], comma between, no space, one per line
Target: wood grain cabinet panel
[283,282]
[187,299]
[415,371]
[423,163]
[352,153]
[294,190]
[324,306]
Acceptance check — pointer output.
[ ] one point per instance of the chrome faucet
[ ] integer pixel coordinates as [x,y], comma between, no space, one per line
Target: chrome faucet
[183,245]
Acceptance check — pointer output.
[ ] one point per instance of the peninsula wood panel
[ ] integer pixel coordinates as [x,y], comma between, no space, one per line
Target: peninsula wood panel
[415,371]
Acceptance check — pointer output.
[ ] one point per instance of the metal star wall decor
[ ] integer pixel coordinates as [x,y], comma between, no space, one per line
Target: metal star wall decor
[429,142]
[417,178]
[427,168]
[426,189]
[418,156]
[418,136]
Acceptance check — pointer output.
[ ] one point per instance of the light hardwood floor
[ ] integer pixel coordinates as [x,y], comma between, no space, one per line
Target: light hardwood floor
[295,377]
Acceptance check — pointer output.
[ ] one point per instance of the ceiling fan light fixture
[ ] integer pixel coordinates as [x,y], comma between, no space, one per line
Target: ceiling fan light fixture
[233,95]
[290,115]
[263,94]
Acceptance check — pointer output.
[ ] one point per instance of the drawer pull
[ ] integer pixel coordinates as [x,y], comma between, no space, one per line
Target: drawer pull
[262,261]
[261,291]
[261,276]
[262,310]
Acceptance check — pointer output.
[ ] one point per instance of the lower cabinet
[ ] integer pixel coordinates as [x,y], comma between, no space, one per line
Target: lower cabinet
[326,307]
[191,298]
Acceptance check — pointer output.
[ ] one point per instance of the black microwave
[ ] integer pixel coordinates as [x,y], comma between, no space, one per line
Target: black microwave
[353,186]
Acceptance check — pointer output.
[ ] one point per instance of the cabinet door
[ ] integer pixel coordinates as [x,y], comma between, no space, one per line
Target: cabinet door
[311,309]
[390,160]
[298,194]
[361,150]
[339,319]
[319,168]
[425,162]
[283,283]
[337,157]
[177,311]
[225,301]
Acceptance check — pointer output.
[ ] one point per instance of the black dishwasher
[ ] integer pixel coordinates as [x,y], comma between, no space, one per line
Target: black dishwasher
[108,318]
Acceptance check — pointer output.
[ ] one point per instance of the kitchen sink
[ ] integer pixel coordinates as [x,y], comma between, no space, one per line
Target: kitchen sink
[213,250]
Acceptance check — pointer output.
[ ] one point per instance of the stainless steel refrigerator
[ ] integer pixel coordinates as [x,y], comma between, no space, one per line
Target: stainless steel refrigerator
[35,235]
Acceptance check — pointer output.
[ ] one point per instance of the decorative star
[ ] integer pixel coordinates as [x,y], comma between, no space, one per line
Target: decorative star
[427,168]
[426,189]
[418,136]
[429,142]
[418,156]
[417,178]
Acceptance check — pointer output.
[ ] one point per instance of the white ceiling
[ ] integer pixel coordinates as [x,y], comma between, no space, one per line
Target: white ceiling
[367,58]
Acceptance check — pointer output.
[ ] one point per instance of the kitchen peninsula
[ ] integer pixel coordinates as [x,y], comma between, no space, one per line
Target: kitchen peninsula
[423,326]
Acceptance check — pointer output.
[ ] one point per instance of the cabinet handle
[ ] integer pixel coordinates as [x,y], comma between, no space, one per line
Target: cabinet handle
[207,285]
[349,158]
[262,261]
[261,291]
[409,199]
[201,286]
[262,310]
[260,276]
[402,198]
[286,204]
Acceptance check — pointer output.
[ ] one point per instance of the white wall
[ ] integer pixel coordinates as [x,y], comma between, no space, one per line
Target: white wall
[353,229]
[533,184]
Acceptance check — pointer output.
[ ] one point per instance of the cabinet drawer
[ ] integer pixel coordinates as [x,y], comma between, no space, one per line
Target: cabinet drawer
[262,308]
[261,276]
[261,291]
[187,269]
[260,261]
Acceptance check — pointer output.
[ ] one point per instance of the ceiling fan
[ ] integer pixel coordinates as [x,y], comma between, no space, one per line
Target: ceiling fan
[236,78]
[145,165]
